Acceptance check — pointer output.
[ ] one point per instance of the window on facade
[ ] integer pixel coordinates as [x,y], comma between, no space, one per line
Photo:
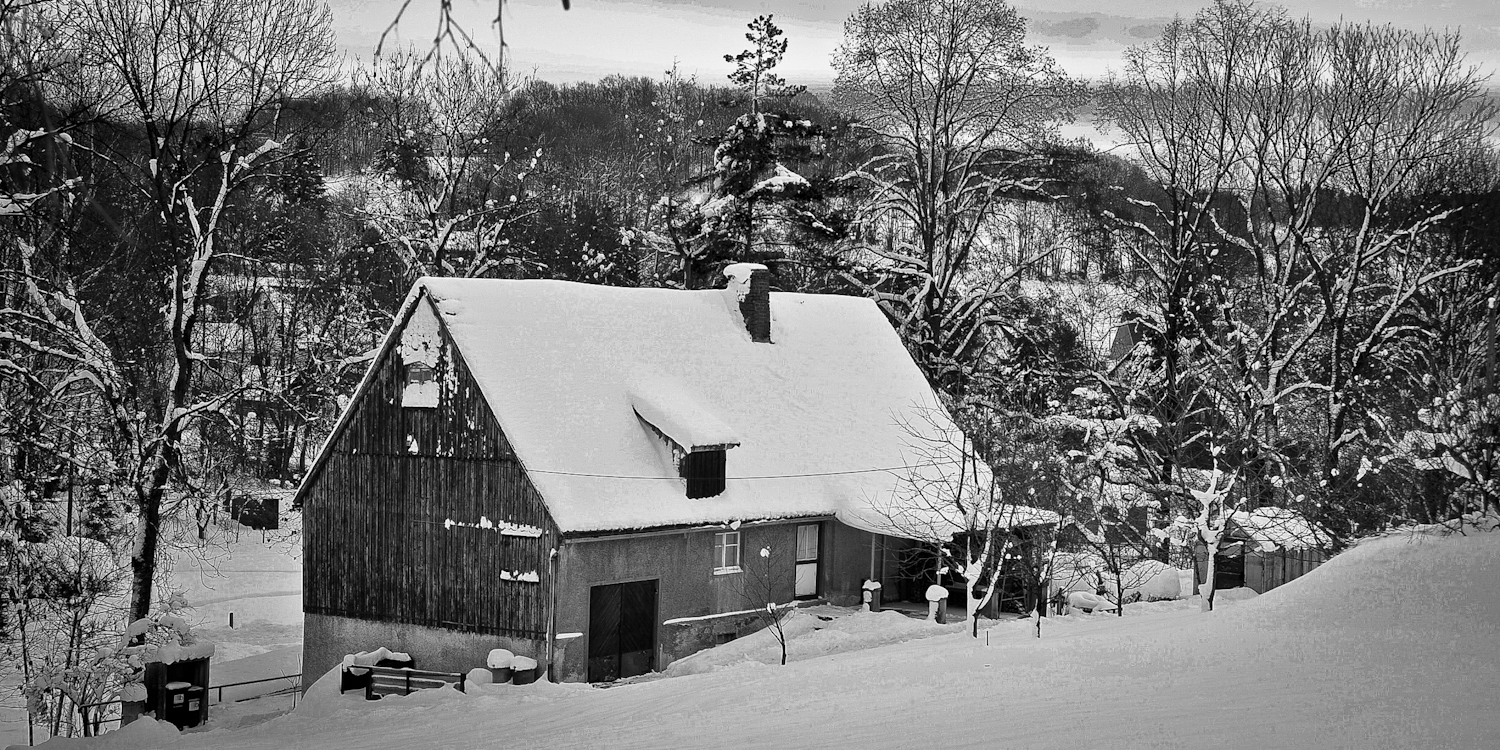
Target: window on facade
[806,584]
[704,472]
[421,386]
[726,552]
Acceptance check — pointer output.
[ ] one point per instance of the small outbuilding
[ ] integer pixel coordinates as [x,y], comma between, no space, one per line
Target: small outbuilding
[1262,549]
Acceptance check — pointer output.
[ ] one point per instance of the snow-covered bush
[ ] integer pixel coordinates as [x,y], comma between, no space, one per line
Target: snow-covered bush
[1152,580]
[1076,571]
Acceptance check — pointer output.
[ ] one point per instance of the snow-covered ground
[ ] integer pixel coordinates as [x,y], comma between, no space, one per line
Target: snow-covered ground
[1390,645]
[255,576]
[258,577]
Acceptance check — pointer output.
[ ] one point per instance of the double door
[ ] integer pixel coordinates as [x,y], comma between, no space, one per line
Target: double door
[622,630]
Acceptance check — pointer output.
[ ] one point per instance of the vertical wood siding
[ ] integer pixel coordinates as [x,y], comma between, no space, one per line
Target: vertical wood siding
[375,544]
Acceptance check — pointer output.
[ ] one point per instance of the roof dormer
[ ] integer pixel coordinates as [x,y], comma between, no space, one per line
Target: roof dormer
[698,440]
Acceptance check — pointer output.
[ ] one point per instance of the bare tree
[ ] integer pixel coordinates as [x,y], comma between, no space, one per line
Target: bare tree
[1281,253]
[961,106]
[949,497]
[446,192]
[1108,503]
[765,581]
[199,86]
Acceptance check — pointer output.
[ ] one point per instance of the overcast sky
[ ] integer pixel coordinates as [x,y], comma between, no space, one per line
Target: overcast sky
[643,37]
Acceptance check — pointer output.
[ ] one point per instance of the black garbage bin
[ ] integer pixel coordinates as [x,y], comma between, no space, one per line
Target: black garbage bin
[174,703]
[195,709]
[166,690]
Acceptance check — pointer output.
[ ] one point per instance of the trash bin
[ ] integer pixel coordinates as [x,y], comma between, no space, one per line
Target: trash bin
[174,703]
[523,670]
[871,595]
[499,662]
[195,710]
[164,686]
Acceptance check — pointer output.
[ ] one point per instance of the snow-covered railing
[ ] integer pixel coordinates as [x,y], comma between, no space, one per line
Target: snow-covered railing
[403,680]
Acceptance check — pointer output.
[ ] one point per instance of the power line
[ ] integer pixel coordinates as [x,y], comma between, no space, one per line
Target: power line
[762,476]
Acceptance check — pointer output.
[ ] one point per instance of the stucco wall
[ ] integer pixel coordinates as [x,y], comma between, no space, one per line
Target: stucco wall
[327,638]
[682,564]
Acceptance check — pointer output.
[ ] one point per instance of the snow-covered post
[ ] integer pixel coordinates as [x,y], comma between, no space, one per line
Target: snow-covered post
[870,593]
[936,599]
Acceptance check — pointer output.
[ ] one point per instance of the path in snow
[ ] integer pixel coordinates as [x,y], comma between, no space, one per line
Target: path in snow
[1383,647]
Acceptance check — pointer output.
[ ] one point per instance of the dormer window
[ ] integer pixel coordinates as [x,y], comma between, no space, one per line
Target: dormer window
[704,472]
[693,439]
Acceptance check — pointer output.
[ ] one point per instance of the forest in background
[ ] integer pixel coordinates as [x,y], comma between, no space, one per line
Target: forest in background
[1279,292]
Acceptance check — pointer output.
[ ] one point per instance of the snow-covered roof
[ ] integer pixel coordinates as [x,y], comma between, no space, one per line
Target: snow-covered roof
[578,375]
[674,410]
[1281,528]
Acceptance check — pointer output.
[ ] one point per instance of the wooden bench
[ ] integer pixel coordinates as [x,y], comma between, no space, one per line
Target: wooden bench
[403,680]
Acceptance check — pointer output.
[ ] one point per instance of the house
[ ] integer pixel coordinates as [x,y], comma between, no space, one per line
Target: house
[590,475]
[1262,549]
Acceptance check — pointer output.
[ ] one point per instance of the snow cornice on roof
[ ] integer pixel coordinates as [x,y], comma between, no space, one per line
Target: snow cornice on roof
[676,412]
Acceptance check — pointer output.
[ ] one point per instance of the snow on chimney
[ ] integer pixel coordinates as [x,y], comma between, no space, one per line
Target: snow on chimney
[751,283]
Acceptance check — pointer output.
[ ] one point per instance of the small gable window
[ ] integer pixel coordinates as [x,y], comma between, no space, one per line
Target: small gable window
[726,552]
[704,472]
[421,389]
[421,350]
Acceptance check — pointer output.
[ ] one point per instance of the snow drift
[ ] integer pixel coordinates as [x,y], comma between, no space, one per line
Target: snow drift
[1389,645]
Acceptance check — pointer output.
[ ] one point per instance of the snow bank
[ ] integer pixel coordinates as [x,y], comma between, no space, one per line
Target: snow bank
[322,699]
[141,734]
[1391,644]
[1089,602]
[1237,594]
[812,632]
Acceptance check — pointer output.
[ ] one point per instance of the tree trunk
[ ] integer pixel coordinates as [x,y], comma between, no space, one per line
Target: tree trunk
[1207,605]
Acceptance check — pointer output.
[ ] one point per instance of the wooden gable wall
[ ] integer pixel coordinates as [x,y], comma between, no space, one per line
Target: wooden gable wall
[377,539]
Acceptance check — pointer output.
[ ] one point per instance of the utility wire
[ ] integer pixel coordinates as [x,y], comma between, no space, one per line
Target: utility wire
[763,476]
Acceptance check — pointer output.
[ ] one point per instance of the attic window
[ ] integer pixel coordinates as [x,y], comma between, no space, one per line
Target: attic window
[421,350]
[421,389]
[704,472]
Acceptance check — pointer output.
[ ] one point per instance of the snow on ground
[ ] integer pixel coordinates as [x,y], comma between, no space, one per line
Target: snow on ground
[811,632]
[1382,647]
[258,579]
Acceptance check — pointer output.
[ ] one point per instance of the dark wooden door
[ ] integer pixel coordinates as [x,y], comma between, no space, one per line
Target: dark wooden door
[1229,572]
[622,630]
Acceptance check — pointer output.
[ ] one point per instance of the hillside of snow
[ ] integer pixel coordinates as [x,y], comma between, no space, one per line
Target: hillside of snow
[1392,644]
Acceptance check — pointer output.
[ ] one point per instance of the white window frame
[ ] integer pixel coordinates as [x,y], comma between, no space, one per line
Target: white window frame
[724,541]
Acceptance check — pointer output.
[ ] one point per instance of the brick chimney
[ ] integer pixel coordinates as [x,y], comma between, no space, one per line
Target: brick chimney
[751,283]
